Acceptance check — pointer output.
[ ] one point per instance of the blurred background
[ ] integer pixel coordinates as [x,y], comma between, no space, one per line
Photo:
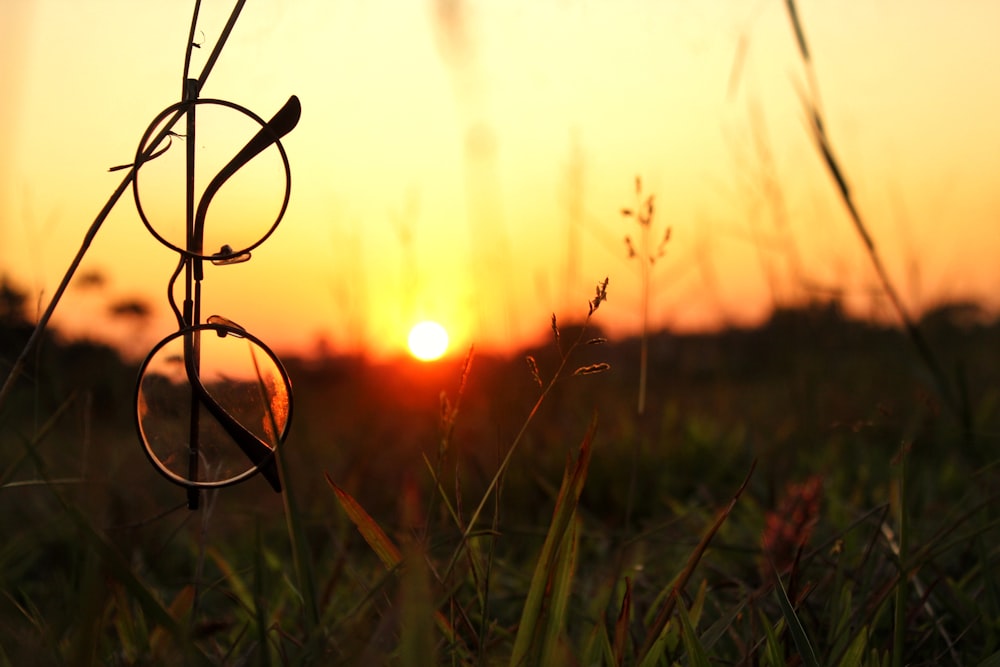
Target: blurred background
[467,162]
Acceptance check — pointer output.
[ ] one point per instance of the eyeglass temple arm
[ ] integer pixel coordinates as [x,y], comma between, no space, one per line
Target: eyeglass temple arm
[255,449]
[283,122]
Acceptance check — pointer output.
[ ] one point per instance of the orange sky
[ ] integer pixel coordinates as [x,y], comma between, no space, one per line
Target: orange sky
[467,161]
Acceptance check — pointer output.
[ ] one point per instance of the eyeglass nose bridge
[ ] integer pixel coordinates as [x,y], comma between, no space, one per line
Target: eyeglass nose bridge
[227,255]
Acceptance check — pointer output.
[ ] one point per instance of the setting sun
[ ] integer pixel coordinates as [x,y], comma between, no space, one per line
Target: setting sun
[428,341]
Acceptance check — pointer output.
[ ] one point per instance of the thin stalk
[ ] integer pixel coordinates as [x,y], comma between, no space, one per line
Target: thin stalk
[646,256]
[505,463]
[488,493]
[18,368]
[902,585]
[646,259]
[836,172]
[646,262]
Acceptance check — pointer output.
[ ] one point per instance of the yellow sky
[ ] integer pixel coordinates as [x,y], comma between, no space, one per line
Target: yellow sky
[467,161]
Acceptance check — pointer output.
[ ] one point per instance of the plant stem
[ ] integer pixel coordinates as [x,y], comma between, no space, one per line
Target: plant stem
[95,226]
[823,143]
[902,586]
[505,463]
[646,259]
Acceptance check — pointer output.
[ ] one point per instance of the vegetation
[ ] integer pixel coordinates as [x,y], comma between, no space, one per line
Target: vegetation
[801,498]
[809,492]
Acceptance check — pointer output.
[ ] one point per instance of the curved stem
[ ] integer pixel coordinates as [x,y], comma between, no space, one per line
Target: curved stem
[95,226]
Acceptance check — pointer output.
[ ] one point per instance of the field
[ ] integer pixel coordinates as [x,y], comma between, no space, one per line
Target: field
[801,493]
[816,491]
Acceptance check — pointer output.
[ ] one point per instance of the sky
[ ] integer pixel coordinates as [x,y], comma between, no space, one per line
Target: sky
[468,161]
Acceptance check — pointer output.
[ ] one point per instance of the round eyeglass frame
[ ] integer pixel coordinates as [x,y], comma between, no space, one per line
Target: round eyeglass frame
[140,160]
[221,330]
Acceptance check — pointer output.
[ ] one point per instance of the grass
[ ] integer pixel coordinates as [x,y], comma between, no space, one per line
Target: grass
[489,527]
[790,495]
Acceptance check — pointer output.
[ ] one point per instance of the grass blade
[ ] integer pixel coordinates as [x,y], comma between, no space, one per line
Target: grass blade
[695,650]
[533,620]
[622,624]
[773,655]
[654,645]
[799,636]
[562,579]
[856,650]
[384,548]
[387,551]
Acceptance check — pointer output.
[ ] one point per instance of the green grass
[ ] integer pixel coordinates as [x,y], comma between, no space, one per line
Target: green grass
[490,528]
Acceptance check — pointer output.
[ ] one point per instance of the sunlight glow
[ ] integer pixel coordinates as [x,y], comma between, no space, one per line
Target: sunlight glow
[428,341]
[451,176]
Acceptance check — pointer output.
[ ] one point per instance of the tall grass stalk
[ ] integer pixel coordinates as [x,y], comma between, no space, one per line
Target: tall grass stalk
[95,226]
[642,213]
[449,415]
[903,556]
[600,296]
[646,256]
[823,144]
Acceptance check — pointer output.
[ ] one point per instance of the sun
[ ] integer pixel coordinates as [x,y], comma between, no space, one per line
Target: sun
[428,341]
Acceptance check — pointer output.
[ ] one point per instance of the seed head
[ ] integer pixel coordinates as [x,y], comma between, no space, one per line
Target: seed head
[592,369]
[600,295]
[533,367]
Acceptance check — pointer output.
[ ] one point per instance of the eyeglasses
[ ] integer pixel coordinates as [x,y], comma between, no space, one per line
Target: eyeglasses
[213,402]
